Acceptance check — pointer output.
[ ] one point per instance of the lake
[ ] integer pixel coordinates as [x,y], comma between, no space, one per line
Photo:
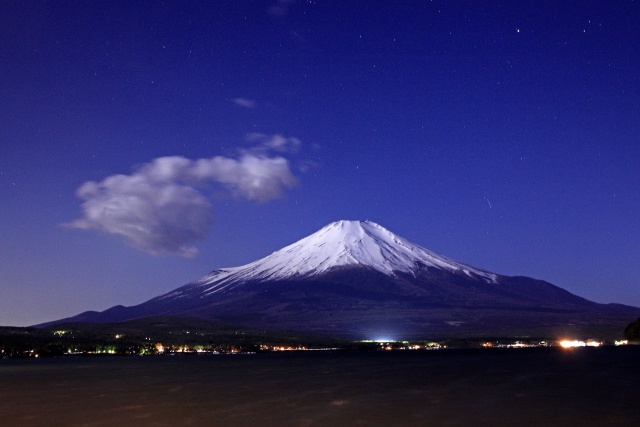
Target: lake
[503,387]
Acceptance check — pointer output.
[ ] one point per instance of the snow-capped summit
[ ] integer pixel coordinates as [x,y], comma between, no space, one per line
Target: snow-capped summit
[341,244]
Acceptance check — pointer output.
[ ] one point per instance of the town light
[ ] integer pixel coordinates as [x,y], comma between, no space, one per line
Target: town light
[572,343]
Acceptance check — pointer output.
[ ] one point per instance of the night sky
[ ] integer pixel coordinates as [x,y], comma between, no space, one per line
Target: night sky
[144,145]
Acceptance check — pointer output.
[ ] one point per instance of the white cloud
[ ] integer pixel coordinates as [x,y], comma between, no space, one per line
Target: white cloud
[244,102]
[159,208]
[252,176]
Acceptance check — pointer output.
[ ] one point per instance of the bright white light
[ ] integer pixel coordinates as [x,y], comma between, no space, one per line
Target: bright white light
[572,344]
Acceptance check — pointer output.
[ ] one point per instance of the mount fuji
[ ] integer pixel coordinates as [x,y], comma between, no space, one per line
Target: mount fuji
[358,279]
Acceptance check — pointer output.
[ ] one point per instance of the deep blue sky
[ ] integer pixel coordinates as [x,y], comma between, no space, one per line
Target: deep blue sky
[506,136]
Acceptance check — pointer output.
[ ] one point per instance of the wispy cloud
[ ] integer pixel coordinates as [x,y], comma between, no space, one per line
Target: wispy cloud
[160,208]
[280,7]
[244,102]
[274,143]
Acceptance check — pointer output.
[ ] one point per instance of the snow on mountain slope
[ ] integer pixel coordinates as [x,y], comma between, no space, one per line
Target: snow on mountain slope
[339,244]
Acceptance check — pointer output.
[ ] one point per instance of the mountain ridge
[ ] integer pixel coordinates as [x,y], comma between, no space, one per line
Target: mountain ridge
[354,278]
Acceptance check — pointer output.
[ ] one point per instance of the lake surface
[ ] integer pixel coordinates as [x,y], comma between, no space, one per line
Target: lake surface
[504,387]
